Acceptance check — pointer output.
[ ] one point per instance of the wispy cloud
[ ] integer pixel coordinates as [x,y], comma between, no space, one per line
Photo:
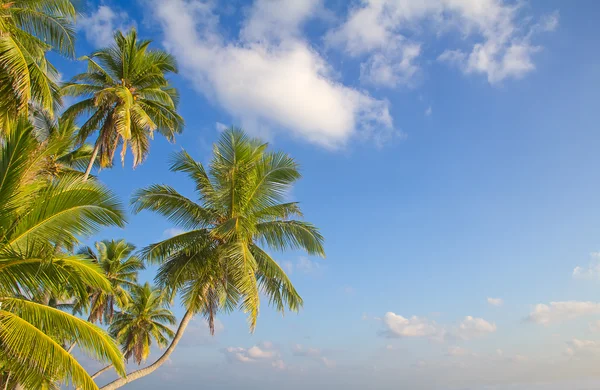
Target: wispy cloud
[388,32]
[495,301]
[397,326]
[591,271]
[100,25]
[251,77]
[312,353]
[302,265]
[557,312]
[264,352]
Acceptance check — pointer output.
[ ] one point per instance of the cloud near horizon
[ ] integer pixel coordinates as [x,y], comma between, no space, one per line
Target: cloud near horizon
[397,326]
[557,312]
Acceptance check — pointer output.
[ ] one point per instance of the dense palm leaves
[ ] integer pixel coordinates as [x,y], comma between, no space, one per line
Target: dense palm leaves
[47,203]
[126,97]
[29,29]
[219,263]
[37,215]
[60,137]
[120,268]
[145,318]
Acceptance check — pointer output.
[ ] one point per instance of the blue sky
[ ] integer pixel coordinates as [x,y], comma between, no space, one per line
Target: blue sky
[449,152]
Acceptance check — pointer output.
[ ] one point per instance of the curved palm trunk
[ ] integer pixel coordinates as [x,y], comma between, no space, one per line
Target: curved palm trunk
[98,373]
[102,371]
[91,163]
[71,347]
[159,362]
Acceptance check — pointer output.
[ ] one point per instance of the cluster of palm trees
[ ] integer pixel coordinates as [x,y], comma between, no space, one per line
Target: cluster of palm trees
[56,297]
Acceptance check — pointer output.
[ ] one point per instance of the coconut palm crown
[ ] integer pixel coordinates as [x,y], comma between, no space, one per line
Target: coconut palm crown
[126,98]
[219,262]
[121,268]
[143,320]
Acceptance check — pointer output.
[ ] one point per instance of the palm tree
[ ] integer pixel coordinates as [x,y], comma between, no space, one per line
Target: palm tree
[219,263]
[127,98]
[59,137]
[120,267]
[144,319]
[29,29]
[38,213]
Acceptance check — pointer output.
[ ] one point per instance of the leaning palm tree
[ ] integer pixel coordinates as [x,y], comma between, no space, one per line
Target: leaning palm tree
[127,97]
[219,263]
[37,214]
[28,30]
[144,319]
[121,268]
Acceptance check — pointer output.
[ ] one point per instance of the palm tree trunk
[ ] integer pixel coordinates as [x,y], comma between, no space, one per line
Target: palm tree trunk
[159,362]
[92,160]
[99,372]
[102,371]
[71,347]
[7,381]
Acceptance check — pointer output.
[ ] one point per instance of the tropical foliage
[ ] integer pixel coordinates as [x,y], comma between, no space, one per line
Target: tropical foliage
[49,203]
[144,319]
[120,267]
[38,215]
[28,30]
[220,262]
[127,97]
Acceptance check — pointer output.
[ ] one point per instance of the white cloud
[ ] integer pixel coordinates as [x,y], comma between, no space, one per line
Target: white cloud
[577,347]
[592,271]
[270,79]
[307,265]
[562,311]
[595,326]
[472,327]
[503,49]
[495,301]
[278,364]
[302,264]
[398,326]
[428,111]
[328,362]
[392,67]
[300,350]
[275,21]
[257,353]
[99,26]
[220,126]
[469,328]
